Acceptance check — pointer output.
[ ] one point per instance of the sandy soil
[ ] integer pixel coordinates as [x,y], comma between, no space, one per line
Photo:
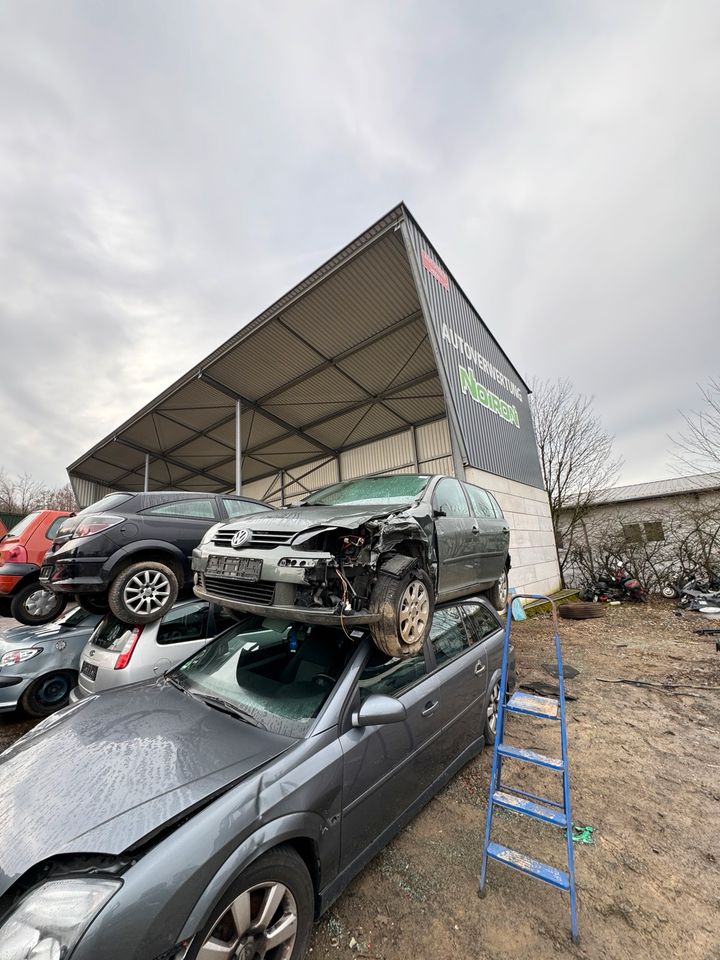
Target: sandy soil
[645,772]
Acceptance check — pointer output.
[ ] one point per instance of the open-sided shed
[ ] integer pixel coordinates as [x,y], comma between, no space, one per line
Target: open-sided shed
[375,363]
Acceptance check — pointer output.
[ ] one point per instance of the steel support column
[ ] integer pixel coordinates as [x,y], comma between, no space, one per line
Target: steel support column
[147,472]
[238,449]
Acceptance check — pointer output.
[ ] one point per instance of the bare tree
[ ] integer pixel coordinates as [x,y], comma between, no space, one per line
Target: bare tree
[699,444]
[21,494]
[576,456]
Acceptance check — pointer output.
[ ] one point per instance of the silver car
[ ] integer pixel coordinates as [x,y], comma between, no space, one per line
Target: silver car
[117,654]
[39,665]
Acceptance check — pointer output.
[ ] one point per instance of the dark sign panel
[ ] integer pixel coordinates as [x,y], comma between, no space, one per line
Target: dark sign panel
[487,399]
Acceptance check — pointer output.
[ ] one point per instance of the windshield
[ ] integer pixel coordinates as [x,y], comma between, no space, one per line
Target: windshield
[75,617]
[372,490]
[279,673]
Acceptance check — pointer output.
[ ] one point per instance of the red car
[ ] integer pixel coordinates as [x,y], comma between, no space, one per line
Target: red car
[21,553]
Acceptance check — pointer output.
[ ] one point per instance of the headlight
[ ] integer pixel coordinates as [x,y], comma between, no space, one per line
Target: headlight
[48,923]
[211,533]
[17,656]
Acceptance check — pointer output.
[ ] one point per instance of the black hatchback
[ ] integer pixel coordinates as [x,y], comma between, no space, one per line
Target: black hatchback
[130,552]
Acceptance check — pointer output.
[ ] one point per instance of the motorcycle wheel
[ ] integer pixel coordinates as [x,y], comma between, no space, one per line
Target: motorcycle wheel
[670,592]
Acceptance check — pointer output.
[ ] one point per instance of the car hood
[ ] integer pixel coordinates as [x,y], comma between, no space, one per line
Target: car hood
[32,636]
[349,516]
[109,771]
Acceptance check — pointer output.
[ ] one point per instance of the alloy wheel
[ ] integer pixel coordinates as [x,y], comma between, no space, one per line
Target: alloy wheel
[503,589]
[492,708]
[260,924]
[147,591]
[40,603]
[414,612]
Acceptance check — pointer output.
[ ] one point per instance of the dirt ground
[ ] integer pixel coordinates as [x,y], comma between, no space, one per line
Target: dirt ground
[645,774]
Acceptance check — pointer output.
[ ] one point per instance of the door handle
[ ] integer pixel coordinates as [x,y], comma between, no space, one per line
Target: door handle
[479,668]
[430,707]
[475,530]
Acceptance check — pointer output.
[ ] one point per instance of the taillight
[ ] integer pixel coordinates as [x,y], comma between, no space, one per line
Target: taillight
[127,651]
[13,553]
[93,523]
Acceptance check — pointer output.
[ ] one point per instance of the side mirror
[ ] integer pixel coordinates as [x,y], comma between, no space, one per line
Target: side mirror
[438,512]
[379,709]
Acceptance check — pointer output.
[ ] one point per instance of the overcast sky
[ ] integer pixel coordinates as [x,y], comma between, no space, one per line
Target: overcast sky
[168,169]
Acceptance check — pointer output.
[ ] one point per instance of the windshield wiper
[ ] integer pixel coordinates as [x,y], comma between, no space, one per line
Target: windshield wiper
[175,683]
[226,707]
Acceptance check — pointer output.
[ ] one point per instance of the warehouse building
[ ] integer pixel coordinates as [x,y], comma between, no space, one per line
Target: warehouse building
[376,363]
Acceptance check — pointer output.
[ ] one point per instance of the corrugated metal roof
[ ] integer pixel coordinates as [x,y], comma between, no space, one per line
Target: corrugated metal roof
[660,488]
[341,360]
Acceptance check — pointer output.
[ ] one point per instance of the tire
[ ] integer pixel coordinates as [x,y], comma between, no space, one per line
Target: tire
[491,712]
[143,592]
[93,602]
[498,592]
[33,605]
[406,603]
[670,592]
[247,899]
[581,611]
[48,694]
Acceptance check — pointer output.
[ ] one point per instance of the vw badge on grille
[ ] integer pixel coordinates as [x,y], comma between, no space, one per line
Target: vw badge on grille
[241,538]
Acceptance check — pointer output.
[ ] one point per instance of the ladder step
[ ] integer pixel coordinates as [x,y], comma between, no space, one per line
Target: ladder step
[524,863]
[529,756]
[529,703]
[536,810]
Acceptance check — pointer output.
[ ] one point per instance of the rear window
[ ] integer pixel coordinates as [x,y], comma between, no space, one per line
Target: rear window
[111,502]
[54,527]
[22,525]
[240,508]
[111,634]
[75,617]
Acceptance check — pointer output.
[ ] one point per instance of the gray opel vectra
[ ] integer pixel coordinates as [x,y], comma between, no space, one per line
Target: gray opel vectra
[211,814]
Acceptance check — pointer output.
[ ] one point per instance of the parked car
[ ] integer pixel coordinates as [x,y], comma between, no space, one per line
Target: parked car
[377,550]
[22,549]
[3,529]
[117,654]
[130,552]
[39,665]
[214,812]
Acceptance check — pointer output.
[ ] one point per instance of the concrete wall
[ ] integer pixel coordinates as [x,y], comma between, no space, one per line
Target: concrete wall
[532,543]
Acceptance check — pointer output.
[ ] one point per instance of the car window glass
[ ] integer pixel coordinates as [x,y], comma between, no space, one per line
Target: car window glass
[54,527]
[390,675]
[482,505]
[183,624]
[240,508]
[21,525]
[191,509]
[449,634]
[278,672]
[111,634]
[75,617]
[482,619]
[449,497]
[496,507]
[108,503]
[223,620]
[393,488]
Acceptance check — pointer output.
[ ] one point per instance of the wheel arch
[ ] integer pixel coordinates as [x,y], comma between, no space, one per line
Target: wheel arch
[155,552]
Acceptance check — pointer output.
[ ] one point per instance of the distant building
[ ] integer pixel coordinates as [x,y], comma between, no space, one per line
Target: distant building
[655,528]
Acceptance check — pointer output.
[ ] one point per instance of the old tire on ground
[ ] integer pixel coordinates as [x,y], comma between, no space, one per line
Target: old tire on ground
[497,594]
[48,694]
[581,611]
[93,602]
[406,603]
[267,912]
[33,605]
[143,592]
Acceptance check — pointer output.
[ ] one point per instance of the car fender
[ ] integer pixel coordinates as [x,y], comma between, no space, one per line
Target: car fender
[26,571]
[293,826]
[124,555]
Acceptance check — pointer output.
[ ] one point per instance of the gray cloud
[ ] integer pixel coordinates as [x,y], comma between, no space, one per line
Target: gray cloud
[168,170]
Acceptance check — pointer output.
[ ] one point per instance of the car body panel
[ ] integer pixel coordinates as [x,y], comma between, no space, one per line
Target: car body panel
[61,646]
[33,538]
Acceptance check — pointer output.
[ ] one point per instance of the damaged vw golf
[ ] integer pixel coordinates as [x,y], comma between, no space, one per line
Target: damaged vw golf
[376,551]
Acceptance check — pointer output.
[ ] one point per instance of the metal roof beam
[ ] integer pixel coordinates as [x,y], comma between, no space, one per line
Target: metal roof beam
[194,471]
[251,405]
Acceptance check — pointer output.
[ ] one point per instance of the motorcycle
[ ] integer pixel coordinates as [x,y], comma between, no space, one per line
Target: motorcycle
[617,585]
[678,585]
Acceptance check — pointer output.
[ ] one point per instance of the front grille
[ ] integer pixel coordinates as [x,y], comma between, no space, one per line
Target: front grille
[261,539]
[260,592]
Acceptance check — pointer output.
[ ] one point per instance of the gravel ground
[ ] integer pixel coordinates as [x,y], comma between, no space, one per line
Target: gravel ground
[645,773]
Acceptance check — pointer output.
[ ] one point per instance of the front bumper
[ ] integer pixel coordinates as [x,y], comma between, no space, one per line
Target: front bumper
[11,688]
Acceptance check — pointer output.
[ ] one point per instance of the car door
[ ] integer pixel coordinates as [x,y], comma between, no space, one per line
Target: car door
[493,534]
[461,668]
[456,533]
[386,767]
[183,522]
[181,632]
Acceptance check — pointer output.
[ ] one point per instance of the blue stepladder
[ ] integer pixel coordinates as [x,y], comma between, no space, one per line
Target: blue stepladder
[547,811]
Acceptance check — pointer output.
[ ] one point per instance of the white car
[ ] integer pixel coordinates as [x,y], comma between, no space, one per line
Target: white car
[117,654]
